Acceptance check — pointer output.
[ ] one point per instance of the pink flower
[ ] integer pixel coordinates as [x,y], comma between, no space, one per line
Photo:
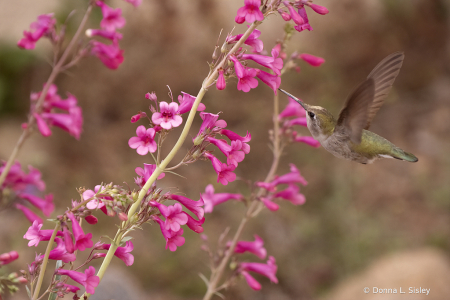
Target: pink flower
[60,252]
[252,40]
[273,81]
[194,206]
[193,224]
[173,239]
[234,137]
[97,201]
[9,257]
[301,27]
[82,241]
[168,116]
[144,141]
[221,144]
[30,215]
[45,205]
[247,81]
[292,109]
[224,172]
[107,34]
[319,9]
[186,103]
[274,63]
[238,67]
[174,216]
[88,279]
[272,206]
[112,18]
[211,199]
[71,122]
[250,12]
[110,55]
[136,117]
[151,96]
[256,247]
[122,252]
[292,177]
[68,240]
[34,234]
[144,174]
[43,127]
[91,219]
[221,83]
[291,194]
[252,282]
[17,180]
[235,155]
[284,15]
[44,24]
[269,270]
[314,61]
[307,140]
[294,15]
[210,122]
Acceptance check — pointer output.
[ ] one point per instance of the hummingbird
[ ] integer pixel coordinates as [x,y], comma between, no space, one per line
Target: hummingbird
[348,137]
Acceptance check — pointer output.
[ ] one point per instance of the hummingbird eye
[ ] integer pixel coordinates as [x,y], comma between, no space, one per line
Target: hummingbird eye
[311,114]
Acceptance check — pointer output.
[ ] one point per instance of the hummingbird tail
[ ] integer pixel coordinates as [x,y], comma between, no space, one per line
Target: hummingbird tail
[406,156]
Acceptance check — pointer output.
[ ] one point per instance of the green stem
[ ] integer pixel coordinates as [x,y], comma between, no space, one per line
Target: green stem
[45,261]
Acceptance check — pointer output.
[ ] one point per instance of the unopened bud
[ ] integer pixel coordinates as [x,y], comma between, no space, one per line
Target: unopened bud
[215,55]
[151,96]
[199,139]
[123,216]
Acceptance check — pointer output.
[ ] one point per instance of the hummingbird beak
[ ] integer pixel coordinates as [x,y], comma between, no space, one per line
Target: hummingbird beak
[296,99]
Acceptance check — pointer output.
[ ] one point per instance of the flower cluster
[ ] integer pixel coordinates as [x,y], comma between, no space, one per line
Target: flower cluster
[299,16]
[71,120]
[43,27]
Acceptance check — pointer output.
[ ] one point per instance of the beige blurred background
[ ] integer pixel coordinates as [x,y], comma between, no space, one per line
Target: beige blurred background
[385,225]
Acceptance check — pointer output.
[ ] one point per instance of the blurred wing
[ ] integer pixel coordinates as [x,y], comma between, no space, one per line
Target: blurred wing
[353,116]
[384,75]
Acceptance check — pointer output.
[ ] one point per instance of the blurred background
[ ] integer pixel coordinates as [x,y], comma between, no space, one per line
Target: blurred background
[383,225]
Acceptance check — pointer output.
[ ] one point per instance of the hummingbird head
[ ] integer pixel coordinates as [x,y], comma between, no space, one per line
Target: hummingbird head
[320,121]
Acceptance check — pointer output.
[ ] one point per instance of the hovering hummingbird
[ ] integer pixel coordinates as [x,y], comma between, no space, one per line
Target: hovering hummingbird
[348,137]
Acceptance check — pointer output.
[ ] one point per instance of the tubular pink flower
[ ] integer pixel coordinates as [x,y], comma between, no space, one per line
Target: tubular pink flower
[224,172]
[238,67]
[68,240]
[122,252]
[292,177]
[144,174]
[152,96]
[168,116]
[250,11]
[144,142]
[252,282]
[238,19]
[91,219]
[176,240]
[273,63]
[9,257]
[322,10]
[210,122]
[112,18]
[292,109]
[70,288]
[45,205]
[71,122]
[221,144]
[97,202]
[194,206]
[30,215]
[235,155]
[267,201]
[44,129]
[247,81]
[221,83]
[269,270]
[284,15]
[193,224]
[89,280]
[307,140]
[252,40]
[273,81]
[17,180]
[110,55]
[296,17]
[297,121]
[306,25]
[291,194]
[107,34]
[186,103]
[234,137]
[82,241]
[34,234]
[60,252]
[211,199]
[256,247]
[44,24]
[138,116]
[314,61]
[174,216]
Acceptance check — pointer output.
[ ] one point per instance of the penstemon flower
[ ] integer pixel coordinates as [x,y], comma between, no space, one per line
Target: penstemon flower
[88,279]
[168,116]
[43,26]
[250,12]
[144,142]
[212,199]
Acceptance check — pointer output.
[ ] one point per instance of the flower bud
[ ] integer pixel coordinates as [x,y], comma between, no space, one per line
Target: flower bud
[123,216]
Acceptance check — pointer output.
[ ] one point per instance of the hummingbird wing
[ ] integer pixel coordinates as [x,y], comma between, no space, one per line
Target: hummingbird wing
[384,75]
[353,116]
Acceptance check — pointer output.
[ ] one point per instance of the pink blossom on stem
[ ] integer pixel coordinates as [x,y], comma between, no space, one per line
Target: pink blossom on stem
[307,140]
[235,155]
[174,216]
[296,17]
[70,288]
[173,239]
[9,257]
[291,194]
[211,199]
[292,109]
[234,137]
[194,206]
[107,34]
[44,24]
[252,40]
[97,201]
[322,10]
[272,62]
[17,180]
[30,215]
[144,142]
[221,144]
[43,127]
[68,240]
[284,15]
[82,241]
[247,81]
[186,103]
[34,234]
[193,224]
[122,252]
[251,281]
[314,61]
[145,173]
[224,172]
[112,18]
[250,12]
[138,116]
[88,279]
[110,55]
[60,252]
[256,247]
[151,96]
[91,219]
[306,25]
[71,122]
[269,270]
[267,201]
[273,81]
[45,205]
[210,121]
[168,116]
[221,83]
[238,67]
